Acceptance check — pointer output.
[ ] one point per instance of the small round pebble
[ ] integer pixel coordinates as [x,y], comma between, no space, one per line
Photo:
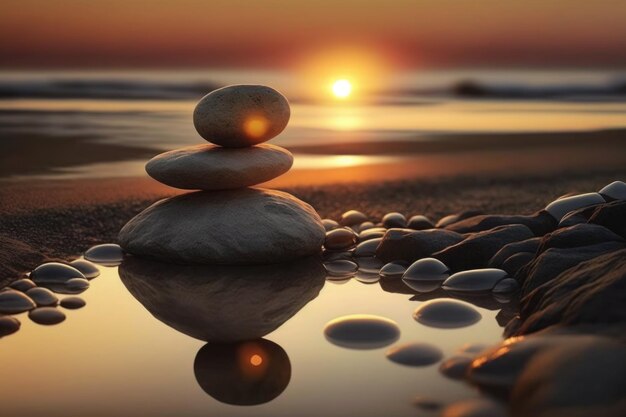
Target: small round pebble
[77,284]
[72,303]
[362,331]
[339,239]
[475,280]
[455,367]
[341,268]
[329,224]
[427,269]
[46,315]
[13,302]
[367,248]
[415,354]
[23,284]
[88,269]
[373,233]
[506,286]
[366,226]
[43,297]
[54,272]
[108,254]
[352,217]
[420,222]
[446,314]
[8,325]
[394,220]
[393,269]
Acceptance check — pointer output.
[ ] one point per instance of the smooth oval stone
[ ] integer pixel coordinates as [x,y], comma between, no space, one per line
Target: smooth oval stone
[72,303]
[373,233]
[329,255]
[367,248]
[370,265]
[455,367]
[54,272]
[210,167]
[329,224]
[22,285]
[43,297]
[108,254]
[8,325]
[13,302]
[393,270]
[394,220]
[341,268]
[366,226]
[446,314]
[615,190]
[415,354]
[238,116]
[235,227]
[559,208]
[361,331]
[77,285]
[506,286]
[366,278]
[89,270]
[422,286]
[339,239]
[420,222]
[475,280]
[46,315]
[426,269]
[352,217]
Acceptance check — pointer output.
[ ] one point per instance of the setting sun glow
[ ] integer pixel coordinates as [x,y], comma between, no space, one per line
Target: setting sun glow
[342,88]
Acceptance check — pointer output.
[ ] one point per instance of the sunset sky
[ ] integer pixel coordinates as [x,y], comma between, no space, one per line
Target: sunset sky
[281,34]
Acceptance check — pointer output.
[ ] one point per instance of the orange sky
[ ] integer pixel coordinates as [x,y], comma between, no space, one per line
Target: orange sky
[272,33]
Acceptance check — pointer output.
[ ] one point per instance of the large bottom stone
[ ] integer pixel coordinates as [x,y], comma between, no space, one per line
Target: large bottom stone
[244,226]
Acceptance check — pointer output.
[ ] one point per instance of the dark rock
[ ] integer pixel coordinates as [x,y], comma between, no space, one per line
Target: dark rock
[576,236]
[453,218]
[420,222]
[612,216]
[540,223]
[46,315]
[8,325]
[475,251]
[528,245]
[72,303]
[367,248]
[516,262]
[408,245]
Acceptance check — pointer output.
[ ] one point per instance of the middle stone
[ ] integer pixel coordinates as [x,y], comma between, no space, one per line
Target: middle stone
[210,167]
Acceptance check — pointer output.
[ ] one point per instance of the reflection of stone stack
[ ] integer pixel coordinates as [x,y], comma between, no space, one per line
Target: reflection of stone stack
[227,222]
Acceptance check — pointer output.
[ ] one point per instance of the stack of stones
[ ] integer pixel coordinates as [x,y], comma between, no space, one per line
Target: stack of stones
[227,222]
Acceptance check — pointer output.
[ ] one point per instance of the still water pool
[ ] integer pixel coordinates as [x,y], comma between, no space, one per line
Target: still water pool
[137,349]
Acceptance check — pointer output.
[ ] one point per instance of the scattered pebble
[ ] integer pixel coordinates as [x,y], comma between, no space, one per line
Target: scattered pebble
[426,269]
[72,303]
[54,273]
[475,280]
[446,314]
[23,284]
[46,315]
[77,285]
[455,367]
[559,208]
[506,286]
[362,331]
[340,239]
[43,297]
[8,325]
[88,269]
[393,270]
[366,226]
[329,224]
[422,286]
[13,302]
[394,220]
[373,233]
[108,254]
[370,265]
[366,278]
[341,268]
[415,354]
[352,217]
[367,248]
[420,222]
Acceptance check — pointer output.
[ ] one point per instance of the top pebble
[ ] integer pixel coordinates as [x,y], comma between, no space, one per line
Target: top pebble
[238,116]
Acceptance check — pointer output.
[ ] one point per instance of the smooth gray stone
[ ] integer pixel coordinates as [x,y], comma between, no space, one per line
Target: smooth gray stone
[455,367]
[8,325]
[420,222]
[367,248]
[394,220]
[506,286]
[475,280]
[238,116]
[340,239]
[361,331]
[560,207]
[246,226]
[72,303]
[615,190]
[22,285]
[210,167]
[223,303]
[89,270]
[427,269]
[341,268]
[108,254]
[393,270]
[46,315]
[352,217]
[54,273]
[43,297]
[446,314]
[415,354]
[411,245]
[13,302]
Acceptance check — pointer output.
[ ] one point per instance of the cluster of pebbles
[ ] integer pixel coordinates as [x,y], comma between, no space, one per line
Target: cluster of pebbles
[38,293]
[227,221]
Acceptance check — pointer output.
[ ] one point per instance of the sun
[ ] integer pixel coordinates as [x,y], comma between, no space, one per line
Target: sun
[342,88]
